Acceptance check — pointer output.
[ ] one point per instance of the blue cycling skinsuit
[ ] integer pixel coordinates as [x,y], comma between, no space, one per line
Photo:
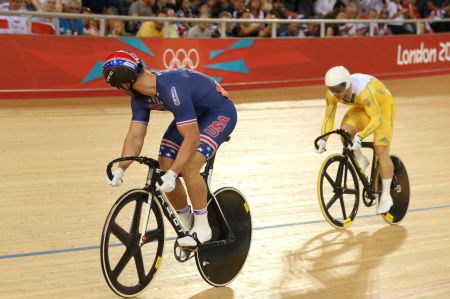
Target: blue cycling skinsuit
[191,97]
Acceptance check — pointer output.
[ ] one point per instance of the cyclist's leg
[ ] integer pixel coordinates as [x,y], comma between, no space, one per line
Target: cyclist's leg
[383,134]
[382,141]
[194,182]
[177,197]
[385,162]
[198,192]
[168,150]
[383,137]
[387,172]
[215,127]
[354,121]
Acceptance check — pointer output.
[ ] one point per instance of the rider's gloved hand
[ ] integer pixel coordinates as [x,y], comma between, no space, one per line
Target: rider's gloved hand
[169,181]
[117,177]
[357,140]
[322,143]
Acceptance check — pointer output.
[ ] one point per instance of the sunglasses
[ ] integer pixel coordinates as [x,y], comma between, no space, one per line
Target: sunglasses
[341,87]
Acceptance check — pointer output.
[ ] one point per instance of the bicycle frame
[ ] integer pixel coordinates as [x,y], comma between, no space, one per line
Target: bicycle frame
[370,184]
[153,176]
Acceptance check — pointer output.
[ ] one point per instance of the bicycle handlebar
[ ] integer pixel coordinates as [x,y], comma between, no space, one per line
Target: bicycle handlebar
[142,160]
[343,133]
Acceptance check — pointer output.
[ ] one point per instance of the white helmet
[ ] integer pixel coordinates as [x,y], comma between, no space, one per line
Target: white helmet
[337,79]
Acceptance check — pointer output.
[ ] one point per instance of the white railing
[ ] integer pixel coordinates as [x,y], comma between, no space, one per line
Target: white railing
[222,22]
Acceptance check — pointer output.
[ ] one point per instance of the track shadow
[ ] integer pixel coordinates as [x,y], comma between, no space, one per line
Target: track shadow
[338,263]
[216,293]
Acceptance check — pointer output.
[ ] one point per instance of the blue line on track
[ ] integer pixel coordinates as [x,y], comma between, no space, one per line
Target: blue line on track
[76,249]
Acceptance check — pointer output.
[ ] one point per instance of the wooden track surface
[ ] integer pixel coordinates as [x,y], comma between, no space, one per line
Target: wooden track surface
[54,200]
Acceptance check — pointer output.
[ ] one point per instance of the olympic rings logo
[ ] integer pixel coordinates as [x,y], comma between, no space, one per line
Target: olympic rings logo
[181,59]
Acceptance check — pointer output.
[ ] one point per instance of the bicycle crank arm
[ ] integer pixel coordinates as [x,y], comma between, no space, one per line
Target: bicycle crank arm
[210,244]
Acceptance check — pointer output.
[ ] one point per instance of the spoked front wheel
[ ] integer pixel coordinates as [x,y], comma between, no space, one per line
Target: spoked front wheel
[127,266]
[338,191]
[220,264]
[399,193]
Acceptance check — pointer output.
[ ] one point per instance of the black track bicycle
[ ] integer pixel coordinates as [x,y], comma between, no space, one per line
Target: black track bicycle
[133,237]
[338,189]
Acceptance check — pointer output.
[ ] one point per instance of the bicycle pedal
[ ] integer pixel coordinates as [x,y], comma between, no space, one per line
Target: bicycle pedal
[181,254]
[190,248]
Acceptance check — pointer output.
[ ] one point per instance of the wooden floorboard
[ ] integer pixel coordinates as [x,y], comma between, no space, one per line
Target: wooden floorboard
[54,200]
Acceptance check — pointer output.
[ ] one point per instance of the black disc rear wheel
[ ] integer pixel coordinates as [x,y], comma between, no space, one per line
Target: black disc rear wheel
[399,192]
[219,265]
[128,267]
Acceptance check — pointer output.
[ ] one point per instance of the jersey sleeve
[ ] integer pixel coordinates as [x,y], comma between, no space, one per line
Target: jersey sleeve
[372,109]
[330,113]
[177,99]
[140,110]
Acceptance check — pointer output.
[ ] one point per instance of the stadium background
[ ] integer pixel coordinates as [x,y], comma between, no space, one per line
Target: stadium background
[60,125]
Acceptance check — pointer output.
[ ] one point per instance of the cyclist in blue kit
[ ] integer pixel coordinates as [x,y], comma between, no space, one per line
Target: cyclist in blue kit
[203,118]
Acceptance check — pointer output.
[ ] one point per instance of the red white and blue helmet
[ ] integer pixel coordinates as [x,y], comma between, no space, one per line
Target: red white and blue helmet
[122,67]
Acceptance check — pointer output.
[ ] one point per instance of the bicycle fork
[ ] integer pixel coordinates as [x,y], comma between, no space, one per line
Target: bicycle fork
[150,197]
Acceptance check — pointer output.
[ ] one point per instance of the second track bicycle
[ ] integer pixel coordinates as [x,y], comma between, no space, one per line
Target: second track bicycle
[338,189]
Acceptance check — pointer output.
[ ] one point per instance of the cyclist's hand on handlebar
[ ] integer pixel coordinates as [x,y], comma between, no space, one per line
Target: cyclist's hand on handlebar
[357,140]
[322,143]
[169,181]
[117,177]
